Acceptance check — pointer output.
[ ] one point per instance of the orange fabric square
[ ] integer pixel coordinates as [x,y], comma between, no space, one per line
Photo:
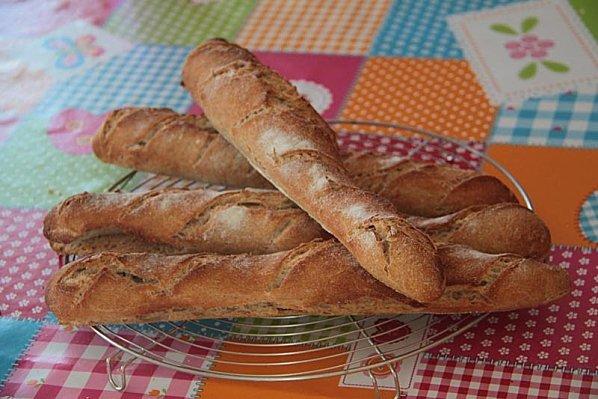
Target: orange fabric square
[439,95]
[322,388]
[558,180]
[329,26]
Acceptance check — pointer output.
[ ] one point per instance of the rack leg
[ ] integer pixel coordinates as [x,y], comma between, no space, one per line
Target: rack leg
[389,364]
[118,380]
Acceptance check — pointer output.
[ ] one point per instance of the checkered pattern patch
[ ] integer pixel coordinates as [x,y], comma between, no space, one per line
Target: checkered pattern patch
[178,22]
[26,263]
[145,76]
[15,336]
[588,217]
[327,26]
[452,379]
[71,364]
[439,95]
[417,28]
[569,119]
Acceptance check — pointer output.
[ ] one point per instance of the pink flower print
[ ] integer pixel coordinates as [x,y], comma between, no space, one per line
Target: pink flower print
[529,45]
[445,351]
[72,129]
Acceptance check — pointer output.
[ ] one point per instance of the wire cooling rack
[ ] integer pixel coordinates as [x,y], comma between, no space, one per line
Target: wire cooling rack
[300,347]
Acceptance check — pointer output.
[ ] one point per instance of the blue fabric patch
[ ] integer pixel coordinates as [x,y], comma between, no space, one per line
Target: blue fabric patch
[416,28]
[565,120]
[15,336]
[588,217]
[148,75]
[50,319]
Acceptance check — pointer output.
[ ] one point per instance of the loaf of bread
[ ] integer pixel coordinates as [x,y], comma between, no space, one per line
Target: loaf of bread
[159,287]
[256,221]
[201,220]
[285,139]
[494,229]
[162,141]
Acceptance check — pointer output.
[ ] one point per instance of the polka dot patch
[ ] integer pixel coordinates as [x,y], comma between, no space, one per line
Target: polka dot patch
[322,26]
[438,95]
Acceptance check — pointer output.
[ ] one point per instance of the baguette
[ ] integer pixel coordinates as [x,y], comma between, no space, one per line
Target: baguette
[256,221]
[162,141]
[160,288]
[285,139]
[227,222]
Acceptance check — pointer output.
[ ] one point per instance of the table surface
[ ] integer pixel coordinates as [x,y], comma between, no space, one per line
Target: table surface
[65,64]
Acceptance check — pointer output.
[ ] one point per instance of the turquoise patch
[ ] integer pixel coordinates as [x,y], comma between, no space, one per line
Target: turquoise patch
[15,336]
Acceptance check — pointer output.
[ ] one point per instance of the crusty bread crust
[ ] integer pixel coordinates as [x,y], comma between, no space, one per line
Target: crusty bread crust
[227,222]
[162,141]
[257,221]
[159,288]
[286,140]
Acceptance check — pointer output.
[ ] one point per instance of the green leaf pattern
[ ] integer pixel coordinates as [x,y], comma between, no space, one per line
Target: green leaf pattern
[528,71]
[528,24]
[531,69]
[503,28]
[554,66]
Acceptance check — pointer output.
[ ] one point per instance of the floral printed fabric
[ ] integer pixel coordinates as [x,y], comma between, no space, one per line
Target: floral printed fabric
[527,49]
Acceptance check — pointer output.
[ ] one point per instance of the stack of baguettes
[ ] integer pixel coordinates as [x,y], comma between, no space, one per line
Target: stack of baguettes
[303,229]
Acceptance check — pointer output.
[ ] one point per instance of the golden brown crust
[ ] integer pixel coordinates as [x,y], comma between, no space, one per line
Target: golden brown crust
[228,222]
[286,140]
[256,221]
[162,141]
[425,189]
[493,229]
[159,287]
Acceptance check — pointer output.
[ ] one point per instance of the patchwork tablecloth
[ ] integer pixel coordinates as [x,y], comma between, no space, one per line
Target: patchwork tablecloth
[517,80]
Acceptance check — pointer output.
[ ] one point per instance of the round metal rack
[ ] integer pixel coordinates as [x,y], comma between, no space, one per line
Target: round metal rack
[299,347]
